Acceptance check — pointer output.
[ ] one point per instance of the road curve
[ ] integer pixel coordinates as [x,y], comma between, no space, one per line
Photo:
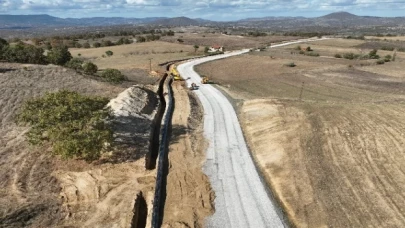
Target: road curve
[241,198]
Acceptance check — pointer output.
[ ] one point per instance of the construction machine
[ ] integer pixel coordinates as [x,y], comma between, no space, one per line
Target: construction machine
[193,86]
[206,80]
[175,74]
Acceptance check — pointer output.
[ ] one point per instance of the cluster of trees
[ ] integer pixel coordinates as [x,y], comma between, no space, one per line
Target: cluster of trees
[74,124]
[256,34]
[371,55]
[24,53]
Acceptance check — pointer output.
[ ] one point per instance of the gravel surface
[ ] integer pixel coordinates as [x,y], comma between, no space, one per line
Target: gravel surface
[241,198]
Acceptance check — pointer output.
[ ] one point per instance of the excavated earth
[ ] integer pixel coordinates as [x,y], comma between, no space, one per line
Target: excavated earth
[41,190]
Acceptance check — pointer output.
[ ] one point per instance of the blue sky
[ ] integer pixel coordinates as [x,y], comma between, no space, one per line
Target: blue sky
[209,9]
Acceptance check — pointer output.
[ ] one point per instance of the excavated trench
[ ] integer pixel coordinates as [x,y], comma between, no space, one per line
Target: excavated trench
[140,212]
[150,159]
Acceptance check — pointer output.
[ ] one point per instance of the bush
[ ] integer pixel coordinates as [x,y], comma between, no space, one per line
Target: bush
[387,58]
[59,56]
[109,53]
[312,54]
[75,63]
[90,68]
[298,48]
[290,64]
[74,124]
[308,49]
[180,40]
[96,44]
[381,61]
[338,56]
[387,48]
[348,56]
[86,45]
[113,75]
[22,53]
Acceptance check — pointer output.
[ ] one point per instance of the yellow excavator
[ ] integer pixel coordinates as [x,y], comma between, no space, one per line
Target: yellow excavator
[206,80]
[175,74]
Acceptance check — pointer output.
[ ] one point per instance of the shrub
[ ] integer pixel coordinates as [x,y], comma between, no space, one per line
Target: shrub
[387,48]
[113,75]
[312,54]
[338,56]
[109,53]
[308,49]
[373,54]
[96,44]
[59,56]
[381,61]
[180,40]
[86,45]
[348,55]
[387,58]
[291,64]
[75,63]
[90,68]
[298,47]
[74,124]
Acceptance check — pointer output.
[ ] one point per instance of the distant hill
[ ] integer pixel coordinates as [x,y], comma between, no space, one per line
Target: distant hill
[340,16]
[340,20]
[176,21]
[13,21]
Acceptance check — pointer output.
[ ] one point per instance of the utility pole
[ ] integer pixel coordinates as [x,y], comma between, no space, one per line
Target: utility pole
[302,90]
[150,64]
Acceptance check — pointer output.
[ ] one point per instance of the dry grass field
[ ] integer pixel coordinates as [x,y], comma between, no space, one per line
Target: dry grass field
[137,55]
[230,42]
[334,158]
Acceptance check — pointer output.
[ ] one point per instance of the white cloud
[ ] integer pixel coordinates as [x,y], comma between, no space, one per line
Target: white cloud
[218,8]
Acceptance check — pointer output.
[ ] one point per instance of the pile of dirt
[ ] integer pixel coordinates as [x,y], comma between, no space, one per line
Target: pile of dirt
[106,194]
[41,190]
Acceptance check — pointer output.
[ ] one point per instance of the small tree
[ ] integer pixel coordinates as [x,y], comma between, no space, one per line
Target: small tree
[113,75]
[75,63]
[196,48]
[86,45]
[59,56]
[109,53]
[90,68]
[206,49]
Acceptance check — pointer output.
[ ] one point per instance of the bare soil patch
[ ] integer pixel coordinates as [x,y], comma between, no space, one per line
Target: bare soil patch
[189,194]
[333,158]
[40,190]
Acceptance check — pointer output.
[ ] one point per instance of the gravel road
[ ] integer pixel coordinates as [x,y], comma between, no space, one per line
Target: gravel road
[241,199]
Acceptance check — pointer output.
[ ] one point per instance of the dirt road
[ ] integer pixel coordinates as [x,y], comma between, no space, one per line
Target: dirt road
[241,198]
[189,196]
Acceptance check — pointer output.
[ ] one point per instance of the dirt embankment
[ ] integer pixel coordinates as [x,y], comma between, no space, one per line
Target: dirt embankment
[189,195]
[331,166]
[40,190]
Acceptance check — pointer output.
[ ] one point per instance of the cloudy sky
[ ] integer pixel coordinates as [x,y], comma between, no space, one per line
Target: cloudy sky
[208,9]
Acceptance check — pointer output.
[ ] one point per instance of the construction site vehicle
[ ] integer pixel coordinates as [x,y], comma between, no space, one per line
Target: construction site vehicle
[175,74]
[193,86]
[206,80]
